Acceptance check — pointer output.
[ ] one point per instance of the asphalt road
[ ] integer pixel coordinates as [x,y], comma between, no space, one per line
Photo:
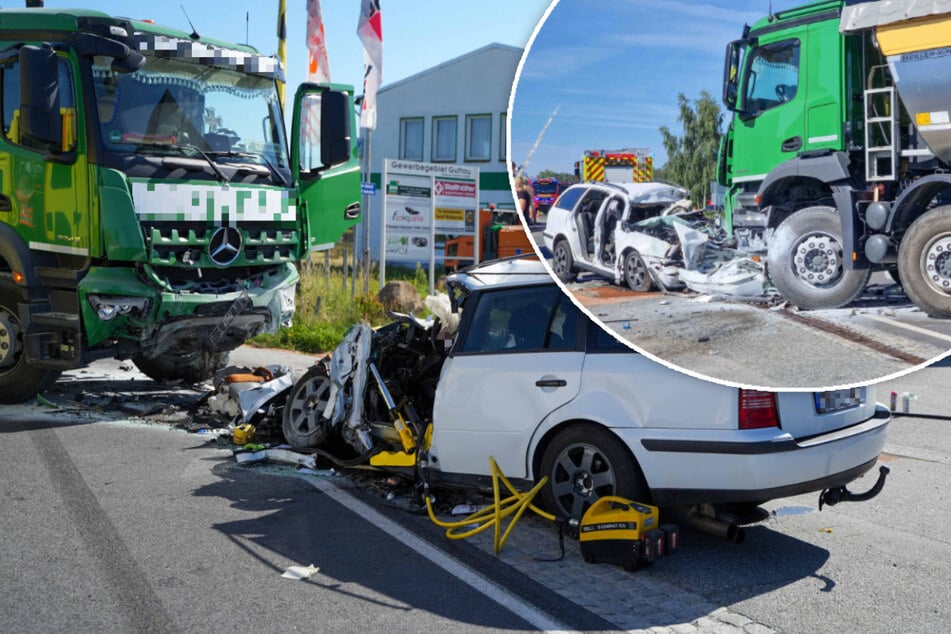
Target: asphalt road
[118,524]
[879,336]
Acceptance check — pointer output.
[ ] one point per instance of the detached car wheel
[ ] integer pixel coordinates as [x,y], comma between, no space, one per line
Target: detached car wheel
[304,425]
[805,261]
[562,262]
[583,463]
[636,275]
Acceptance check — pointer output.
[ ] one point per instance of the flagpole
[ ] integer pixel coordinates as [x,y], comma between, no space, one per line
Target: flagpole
[282,47]
[368,177]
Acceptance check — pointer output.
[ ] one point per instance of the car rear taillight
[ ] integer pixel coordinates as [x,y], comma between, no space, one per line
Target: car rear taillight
[758,409]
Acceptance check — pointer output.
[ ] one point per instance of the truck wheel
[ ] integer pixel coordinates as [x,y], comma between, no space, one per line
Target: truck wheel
[924,262]
[19,381]
[583,463]
[562,263]
[304,425]
[636,275]
[190,367]
[805,261]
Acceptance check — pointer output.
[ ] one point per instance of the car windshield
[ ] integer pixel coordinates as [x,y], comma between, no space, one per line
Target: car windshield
[178,107]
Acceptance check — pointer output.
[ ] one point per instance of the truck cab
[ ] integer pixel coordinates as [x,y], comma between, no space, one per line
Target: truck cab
[152,205]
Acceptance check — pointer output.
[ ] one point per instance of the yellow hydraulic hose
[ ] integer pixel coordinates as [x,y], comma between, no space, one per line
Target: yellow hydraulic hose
[516,503]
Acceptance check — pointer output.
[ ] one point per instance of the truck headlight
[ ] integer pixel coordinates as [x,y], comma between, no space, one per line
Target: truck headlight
[109,307]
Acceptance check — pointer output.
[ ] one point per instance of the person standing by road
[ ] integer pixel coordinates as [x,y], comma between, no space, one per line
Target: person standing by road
[523,195]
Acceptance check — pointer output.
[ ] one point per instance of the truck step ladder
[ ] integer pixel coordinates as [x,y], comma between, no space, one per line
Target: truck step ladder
[881,123]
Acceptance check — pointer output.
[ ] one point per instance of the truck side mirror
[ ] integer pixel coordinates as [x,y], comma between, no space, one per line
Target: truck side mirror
[335,133]
[40,120]
[124,59]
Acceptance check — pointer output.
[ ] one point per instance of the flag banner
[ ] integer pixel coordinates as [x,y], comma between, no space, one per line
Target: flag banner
[370,32]
[318,67]
[282,46]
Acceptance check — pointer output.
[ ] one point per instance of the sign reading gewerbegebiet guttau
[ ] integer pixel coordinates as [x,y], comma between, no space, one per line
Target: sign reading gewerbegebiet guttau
[423,200]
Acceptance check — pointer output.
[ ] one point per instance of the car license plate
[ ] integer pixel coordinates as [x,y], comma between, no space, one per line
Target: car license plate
[837,400]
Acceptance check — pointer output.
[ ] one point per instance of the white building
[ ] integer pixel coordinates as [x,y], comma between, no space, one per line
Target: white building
[455,112]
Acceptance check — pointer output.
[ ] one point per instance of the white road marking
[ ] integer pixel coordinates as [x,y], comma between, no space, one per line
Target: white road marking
[898,324]
[468,576]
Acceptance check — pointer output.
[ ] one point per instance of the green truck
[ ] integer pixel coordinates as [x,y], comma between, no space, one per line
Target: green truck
[152,206]
[838,153]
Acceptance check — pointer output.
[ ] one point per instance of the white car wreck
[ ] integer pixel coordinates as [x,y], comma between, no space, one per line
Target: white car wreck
[595,227]
[530,380]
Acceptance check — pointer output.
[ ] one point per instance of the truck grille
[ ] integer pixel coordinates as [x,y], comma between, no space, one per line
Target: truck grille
[188,247]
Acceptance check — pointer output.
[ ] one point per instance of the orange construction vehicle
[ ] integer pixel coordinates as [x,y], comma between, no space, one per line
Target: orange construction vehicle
[502,236]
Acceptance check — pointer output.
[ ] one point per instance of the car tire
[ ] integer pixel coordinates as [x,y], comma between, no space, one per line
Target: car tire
[805,261]
[636,275]
[19,381]
[562,262]
[190,367]
[924,261]
[583,463]
[303,424]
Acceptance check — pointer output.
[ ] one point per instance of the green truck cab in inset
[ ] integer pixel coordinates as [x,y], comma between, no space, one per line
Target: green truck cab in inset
[150,206]
[833,166]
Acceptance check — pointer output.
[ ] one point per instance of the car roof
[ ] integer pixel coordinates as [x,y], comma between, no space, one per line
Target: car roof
[507,272]
[643,193]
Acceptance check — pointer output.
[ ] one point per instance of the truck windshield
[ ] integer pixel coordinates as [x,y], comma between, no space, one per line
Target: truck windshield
[175,114]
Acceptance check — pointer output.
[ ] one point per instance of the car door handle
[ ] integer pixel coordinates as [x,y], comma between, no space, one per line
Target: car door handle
[352,212]
[551,383]
[792,144]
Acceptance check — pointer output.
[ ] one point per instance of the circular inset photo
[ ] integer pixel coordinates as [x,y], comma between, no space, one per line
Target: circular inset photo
[758,196]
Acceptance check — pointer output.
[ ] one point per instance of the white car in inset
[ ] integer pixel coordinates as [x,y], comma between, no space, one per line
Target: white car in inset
[591,227]
[531,381]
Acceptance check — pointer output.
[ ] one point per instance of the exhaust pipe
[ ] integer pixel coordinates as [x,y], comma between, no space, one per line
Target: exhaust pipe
[831,497]
[715,526]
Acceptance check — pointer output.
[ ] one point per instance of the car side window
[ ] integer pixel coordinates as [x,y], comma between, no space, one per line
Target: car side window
[520,320]
[568,199]
[600,341]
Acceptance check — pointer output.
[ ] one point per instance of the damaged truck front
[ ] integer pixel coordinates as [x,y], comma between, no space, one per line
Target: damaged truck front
[150,208]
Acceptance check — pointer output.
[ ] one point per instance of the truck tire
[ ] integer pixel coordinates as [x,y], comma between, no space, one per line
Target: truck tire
[924,262]
[190,367]
[19,381]
[562,262]
[805,261]
[583,463]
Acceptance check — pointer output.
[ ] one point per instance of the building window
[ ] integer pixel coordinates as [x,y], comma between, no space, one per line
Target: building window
[411,139]
[444,138]
[503,149]
[478,137]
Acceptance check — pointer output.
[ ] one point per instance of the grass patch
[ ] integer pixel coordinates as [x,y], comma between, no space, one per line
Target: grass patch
[326,309]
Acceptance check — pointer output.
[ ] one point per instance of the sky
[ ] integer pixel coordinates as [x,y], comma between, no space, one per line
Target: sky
[417,34]
[615,69]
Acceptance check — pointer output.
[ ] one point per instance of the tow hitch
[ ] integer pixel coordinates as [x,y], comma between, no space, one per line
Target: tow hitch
[832,497]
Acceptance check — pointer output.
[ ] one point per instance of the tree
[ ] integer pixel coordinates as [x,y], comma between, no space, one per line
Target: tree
[562,177]
[692,157]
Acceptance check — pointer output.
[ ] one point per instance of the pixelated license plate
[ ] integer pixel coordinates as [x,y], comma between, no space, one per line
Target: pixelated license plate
[837,400]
